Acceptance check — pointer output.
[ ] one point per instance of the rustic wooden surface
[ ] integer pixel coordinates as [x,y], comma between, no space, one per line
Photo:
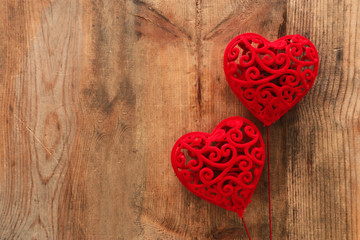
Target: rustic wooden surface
[95,93]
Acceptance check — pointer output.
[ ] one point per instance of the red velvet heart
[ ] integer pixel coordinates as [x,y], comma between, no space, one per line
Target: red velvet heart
[269,78]
[223,167]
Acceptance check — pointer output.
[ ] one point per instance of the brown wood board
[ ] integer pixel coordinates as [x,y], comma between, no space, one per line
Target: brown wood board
[95,93]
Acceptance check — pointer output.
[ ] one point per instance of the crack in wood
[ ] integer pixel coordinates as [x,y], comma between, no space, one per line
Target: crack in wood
[33,134]
[282,27]
[158,17]
[198,48]
[216,30]
[154,23]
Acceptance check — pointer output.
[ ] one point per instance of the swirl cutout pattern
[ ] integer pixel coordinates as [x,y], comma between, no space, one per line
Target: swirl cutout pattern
[269,78]
[223,167]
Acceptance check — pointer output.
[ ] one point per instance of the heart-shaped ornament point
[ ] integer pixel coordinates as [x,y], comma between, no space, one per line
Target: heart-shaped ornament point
[222,167]
[269,78]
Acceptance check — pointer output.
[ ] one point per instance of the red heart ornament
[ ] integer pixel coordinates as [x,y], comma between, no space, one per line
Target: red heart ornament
[222,167]
[269,78]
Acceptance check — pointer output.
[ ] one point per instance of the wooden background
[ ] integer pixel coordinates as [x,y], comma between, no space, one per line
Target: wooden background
[95,93]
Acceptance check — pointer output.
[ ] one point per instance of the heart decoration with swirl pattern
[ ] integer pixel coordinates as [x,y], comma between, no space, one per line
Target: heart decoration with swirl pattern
[269,78]
[222,167]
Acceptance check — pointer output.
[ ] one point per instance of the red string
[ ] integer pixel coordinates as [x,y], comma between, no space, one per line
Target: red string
[268,160]
[246,228]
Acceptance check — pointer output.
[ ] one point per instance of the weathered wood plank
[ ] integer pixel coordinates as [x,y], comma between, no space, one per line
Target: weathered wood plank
[323,130]
[95,93]
[41,123]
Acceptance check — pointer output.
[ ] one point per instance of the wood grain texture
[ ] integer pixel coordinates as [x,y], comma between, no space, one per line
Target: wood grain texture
[94,93]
